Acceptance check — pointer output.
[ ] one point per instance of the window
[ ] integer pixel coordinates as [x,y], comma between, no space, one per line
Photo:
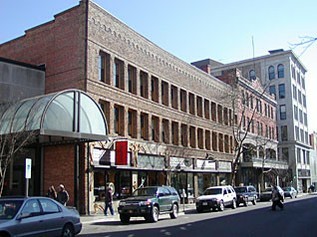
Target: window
[214,141]
[191,103]
[304,100]
[219,114]
[144,84]
[192,136]
[132,79]
[220,142]
[155,129]
[184,135]
[213,111]
[104,67]
[285,155]
[119,120]
[49,206]
[199,106]
[272,90]
[298,155]
[281,91]
[252,75]
[165,131]
[207,109]
[300,115]
[207,140]
[294,92]
[183,100]
[118,73]
[284,135]
[175,133]
[132,123]
[154,89]
[303,83]
[280,71]
[271,73]
[305,118]
[295,112]
[200,134]
[282,112]
[164,93]
[144,126]
[299,94]
[296,133]
[174,97]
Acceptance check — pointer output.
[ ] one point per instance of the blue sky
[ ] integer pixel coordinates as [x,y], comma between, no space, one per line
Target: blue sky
[194,30]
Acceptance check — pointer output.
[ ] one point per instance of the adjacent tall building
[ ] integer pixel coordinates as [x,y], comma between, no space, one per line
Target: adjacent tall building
[283,75]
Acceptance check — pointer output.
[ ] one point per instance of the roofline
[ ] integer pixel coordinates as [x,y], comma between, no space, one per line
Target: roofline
[7,60]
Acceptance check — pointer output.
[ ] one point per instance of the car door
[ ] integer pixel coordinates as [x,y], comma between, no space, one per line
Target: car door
[163,196]
[226,196]
[31,223]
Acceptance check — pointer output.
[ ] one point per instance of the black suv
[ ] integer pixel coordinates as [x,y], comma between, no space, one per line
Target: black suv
[149,202]
[246,194]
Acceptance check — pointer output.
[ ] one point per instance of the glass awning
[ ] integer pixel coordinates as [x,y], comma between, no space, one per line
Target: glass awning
[66,115]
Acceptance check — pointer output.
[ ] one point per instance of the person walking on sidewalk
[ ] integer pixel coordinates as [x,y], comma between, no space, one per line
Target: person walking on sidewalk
[277,199]
[109,201]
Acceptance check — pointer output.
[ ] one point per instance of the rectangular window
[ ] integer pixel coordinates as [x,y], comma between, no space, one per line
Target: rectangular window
[295,112]
[214,141]
[119,120]
[285,155]
[175,138]
[207,109]
[207,140]
[219,110]
[144,82]
[299,158]
[184,135]
[284,135]
[304,100]
[213,111]
[220,142]
[297,133]
[174,97]
[294,92]
[282,112]
[299,95]
[164,93]
[105,106]
[225,116]
[192,136]
[191,103]
[104,67]
[154,89]
[183,102]
[226,143]
[281,91]
[305,118]
[300,115]
[144,126]
[132,83]
[200,134]
[165,131]
[199,106]
[118,73]
[132,123]
[155,129]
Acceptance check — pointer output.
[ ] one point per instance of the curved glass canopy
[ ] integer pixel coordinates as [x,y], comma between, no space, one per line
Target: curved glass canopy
[66,115]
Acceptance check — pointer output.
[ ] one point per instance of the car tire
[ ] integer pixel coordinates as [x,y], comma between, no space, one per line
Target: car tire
[174,212]
[68,231]
[124,219]
[234,204]
[154,216]
[221,206]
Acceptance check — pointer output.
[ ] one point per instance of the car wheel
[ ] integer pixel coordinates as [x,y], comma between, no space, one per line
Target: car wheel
[254,200]
[234,204]
[68,231]
[221,206]
[124,219]
[154,216]
[174,213]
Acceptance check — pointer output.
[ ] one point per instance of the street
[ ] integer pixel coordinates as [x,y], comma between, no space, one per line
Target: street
[297,219]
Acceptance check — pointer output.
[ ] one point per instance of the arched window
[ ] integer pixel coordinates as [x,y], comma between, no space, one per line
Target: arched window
[252,75]
[271,73]
[280,71]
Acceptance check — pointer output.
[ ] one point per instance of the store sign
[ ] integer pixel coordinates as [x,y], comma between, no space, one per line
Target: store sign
[103,157]
[181,163]
[204,164]
[151,162]
[224,166]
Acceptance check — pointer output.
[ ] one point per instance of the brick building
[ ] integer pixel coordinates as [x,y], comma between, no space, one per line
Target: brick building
[168,122]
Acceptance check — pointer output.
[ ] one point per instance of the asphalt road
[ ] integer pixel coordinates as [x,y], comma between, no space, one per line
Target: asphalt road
[299,218]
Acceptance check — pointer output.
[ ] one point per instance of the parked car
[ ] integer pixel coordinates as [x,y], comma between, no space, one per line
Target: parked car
[149,202]
[216,198]
[290,192]
[37,216]
[266,195]
[246,194]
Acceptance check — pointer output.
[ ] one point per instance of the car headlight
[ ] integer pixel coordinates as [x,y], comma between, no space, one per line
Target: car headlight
[145,203]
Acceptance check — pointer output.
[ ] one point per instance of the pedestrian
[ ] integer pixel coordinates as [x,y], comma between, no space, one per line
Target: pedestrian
[109,201]
[51,192]
[277,199]
[62,195]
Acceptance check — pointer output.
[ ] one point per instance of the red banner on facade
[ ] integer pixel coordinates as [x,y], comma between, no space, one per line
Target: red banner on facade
[121,152]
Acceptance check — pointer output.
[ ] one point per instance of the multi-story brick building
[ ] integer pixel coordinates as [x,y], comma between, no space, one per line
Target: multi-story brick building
[168,122]
[283,75]
[255,127]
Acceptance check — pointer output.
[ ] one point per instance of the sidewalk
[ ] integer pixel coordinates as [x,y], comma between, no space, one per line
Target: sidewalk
[100,217]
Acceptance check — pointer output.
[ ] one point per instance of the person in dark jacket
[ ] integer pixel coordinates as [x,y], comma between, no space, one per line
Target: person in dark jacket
[62,195]
[109,201]
[51,192]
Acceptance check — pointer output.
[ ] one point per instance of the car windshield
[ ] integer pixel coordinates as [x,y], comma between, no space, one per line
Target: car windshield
[287,189]
[213,191]
[9,208]
[240,189]
[145,192]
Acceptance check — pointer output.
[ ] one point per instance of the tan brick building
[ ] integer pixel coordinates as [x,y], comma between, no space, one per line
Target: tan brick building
[169,122]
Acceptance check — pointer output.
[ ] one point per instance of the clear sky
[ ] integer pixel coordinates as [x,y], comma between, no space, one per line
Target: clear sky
[194,30]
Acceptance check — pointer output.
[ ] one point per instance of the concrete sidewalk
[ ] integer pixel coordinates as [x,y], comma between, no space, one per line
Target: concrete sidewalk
[100,217]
